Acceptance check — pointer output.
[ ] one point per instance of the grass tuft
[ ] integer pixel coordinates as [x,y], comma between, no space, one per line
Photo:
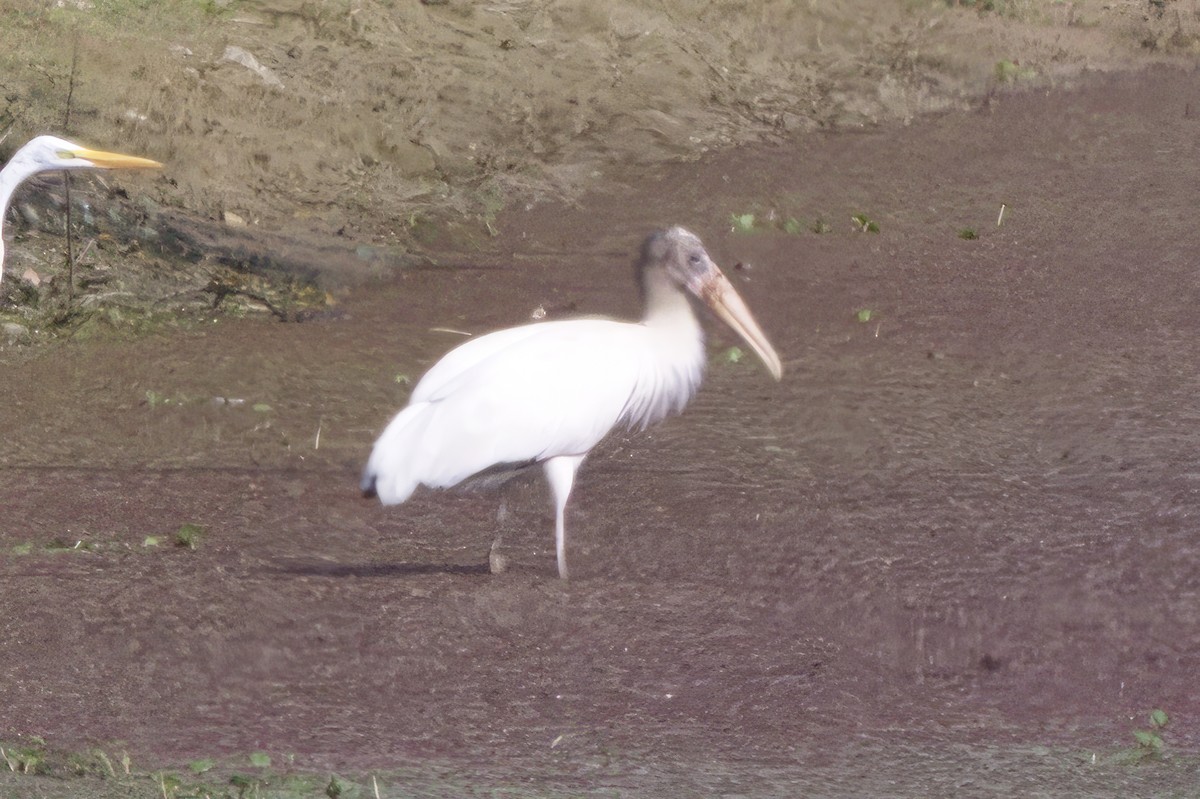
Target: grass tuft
[189,535]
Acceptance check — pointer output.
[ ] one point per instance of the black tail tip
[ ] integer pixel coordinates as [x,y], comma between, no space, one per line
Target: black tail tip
[367,485]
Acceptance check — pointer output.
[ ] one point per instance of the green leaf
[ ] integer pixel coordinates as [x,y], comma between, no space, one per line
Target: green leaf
[168,782]
[1147,739]
[150,541]
[260,759]
[202,765]
[968,234]
[864,315]
[792,225]
[734,355]
[262,407]
[742,223]
[188,535]
[1159,718]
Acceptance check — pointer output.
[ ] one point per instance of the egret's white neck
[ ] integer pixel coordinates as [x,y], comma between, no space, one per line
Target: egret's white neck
[16,170]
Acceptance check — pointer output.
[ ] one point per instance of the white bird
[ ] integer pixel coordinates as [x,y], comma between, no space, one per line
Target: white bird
[550,391]
[45,153]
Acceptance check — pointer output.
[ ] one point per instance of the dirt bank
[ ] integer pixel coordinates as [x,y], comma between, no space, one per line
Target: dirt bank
[410,125]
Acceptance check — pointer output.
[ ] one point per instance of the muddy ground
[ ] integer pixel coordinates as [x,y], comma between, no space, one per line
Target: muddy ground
[952,553]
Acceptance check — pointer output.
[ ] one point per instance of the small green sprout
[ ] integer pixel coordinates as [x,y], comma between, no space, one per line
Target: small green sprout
[1148,743]
[1012,71]
[168,784]
[792,226]
[260,760]
[742,223]
[734,355]
[968,233]
[154,399]
[202,765]
[188,535]
[864,224]
[864,315]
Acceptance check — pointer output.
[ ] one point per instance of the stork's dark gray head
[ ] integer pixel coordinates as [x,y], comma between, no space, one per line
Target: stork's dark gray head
[676,258]
[676,251]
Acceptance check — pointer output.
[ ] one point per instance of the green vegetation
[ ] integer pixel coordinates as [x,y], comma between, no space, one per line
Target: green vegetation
[772,220]
[34,769]
[968,233]
[1012,71]
[25,758]
[864,224]
[55,545]
[1148,743]
[188,536]
[743,223]
[793,226]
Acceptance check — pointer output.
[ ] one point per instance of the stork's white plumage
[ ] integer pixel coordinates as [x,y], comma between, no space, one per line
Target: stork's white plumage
[549,392]
[45,153]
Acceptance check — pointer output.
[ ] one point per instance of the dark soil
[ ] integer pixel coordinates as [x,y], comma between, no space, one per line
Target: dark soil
[953,553]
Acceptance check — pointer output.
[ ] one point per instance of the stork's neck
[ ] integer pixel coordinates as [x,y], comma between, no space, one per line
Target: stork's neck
[667,307]
[677,331]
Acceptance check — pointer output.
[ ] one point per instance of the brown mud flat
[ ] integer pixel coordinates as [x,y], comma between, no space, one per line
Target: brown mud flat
[952,553]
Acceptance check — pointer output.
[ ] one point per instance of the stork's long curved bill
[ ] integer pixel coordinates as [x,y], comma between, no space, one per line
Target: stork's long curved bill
[106,160]
[720,295]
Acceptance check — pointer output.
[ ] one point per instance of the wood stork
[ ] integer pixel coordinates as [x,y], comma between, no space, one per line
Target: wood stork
[550,391]
[45,153]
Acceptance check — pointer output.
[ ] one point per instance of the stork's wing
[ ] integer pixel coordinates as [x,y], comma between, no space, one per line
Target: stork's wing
[522,394]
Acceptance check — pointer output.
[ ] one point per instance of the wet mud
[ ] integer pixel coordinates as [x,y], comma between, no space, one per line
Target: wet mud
[953,552]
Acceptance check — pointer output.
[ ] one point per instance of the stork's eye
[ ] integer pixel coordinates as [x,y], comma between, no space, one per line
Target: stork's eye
[694,259]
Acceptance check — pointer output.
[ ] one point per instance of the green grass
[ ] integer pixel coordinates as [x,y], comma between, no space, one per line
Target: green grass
[188,536]
[29,767]
[772,220]
[1012,71]
[1149,744]
[864,224]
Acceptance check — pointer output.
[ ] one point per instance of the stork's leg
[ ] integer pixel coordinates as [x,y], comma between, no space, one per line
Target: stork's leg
[560,472]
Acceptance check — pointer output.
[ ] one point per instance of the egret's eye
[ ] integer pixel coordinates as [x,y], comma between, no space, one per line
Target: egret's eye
[694,259]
